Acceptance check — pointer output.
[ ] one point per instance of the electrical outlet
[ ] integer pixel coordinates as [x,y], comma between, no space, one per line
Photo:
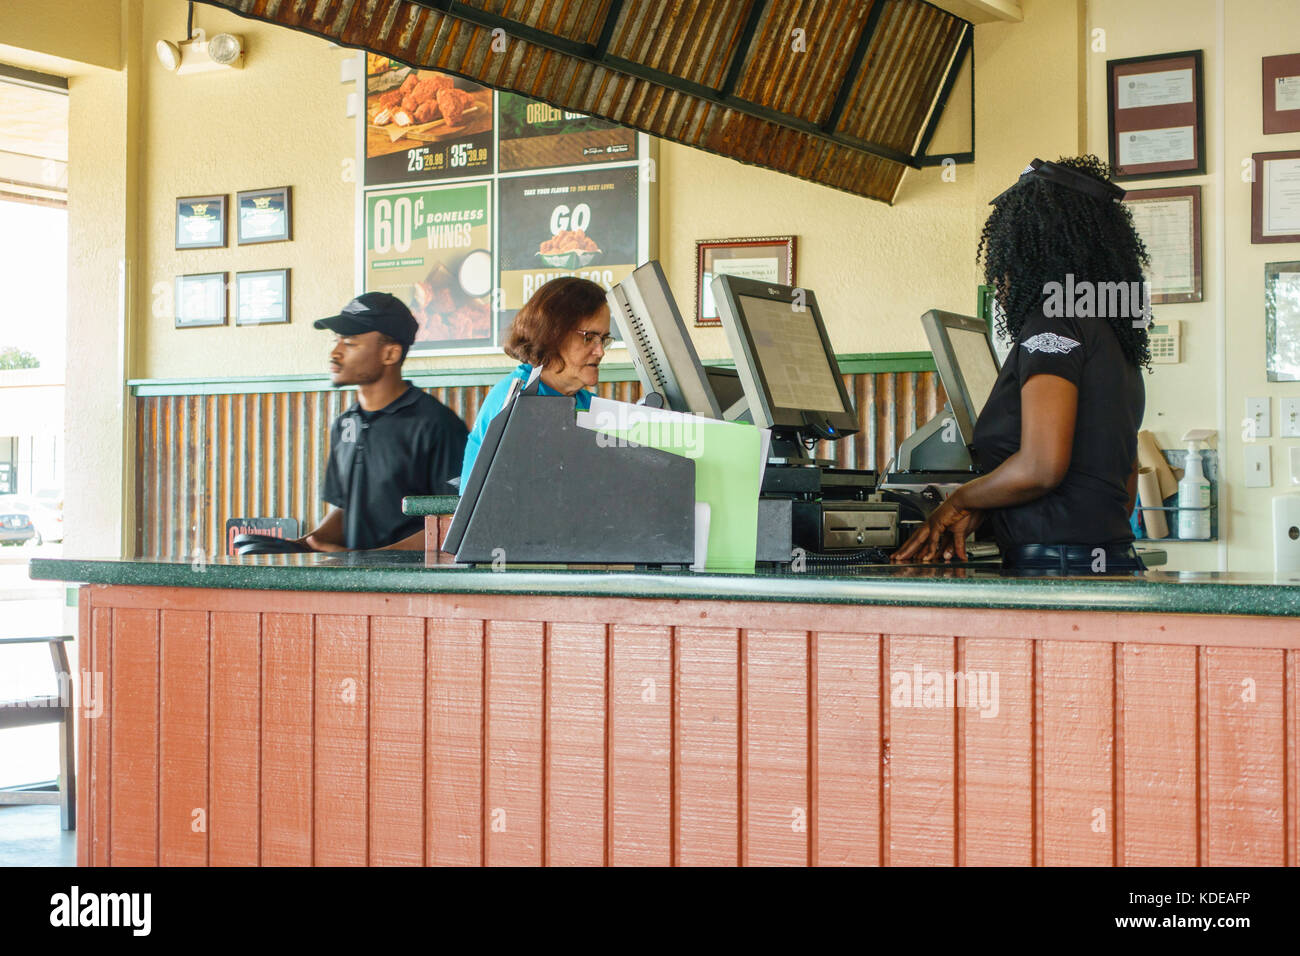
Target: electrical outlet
[1259,466]
[1290,418]
[1259,412]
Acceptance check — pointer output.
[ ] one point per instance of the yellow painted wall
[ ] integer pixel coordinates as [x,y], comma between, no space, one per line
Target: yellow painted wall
[65,36]
[875,269]
[279,121]
[1223,336]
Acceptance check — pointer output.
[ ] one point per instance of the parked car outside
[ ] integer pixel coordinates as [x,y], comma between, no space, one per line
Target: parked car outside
[34,520]
[16,525]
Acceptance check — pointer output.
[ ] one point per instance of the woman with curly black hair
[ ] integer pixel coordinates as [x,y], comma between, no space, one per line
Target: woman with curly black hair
[1057,437]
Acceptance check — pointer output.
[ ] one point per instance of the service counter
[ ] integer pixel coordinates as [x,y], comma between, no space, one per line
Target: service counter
[380,708]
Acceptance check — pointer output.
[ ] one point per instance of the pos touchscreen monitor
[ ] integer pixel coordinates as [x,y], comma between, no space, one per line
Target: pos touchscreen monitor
[787,367]
[967,364]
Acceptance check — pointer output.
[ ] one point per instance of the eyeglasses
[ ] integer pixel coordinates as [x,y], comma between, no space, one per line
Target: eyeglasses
[588,337]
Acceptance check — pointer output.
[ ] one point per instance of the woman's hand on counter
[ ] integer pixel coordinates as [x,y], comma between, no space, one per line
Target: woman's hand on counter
[943,536]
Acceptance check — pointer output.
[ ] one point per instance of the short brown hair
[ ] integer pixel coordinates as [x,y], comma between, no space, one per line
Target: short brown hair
[553,311]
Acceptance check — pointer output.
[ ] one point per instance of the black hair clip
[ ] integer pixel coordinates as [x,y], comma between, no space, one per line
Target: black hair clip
[1067,177]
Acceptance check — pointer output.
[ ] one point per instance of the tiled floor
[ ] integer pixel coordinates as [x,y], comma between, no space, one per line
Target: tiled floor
[31,836]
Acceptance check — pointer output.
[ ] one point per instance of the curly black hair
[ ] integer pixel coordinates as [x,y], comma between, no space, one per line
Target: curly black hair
[1040,231]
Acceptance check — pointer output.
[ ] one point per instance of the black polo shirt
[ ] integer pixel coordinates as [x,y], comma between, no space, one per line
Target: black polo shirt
[1089,505]
[411,446]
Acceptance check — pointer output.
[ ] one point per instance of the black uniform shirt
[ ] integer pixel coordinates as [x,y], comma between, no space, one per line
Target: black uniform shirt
[411,446]
[1089,505]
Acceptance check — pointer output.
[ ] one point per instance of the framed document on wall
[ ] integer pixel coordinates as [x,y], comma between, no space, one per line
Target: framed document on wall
[768,259]
[1282,93]
[1275,197]
[200,300]
[1169,222]
[1282,320]
[1156,115]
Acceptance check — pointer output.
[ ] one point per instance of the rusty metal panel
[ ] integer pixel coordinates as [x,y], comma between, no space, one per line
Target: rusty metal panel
[759,81]
[201,459]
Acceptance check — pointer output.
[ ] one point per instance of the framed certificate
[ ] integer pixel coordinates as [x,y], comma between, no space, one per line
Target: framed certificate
[1169,222]
[1282,93]
[769,259]
[200,300]
[262,298]
[263,215]
[1282,320]
[1275,197]
[201,222]
[1156,115]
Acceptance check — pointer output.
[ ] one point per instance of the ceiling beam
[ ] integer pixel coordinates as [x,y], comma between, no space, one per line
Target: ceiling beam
[983,11]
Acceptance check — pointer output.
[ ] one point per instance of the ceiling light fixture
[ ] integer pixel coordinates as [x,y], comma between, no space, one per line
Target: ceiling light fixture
[226,49]
[169,54]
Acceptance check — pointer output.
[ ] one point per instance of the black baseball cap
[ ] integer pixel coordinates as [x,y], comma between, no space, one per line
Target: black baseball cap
[374,312]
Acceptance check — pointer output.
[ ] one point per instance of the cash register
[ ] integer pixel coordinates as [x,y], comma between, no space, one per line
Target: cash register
[786,379]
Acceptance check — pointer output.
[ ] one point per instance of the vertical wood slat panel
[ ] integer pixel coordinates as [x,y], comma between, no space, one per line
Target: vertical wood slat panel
[775,759]
[706,748]
[1245,756]
[922,742]
[287,744]
[1077,729]
[234,823]
[845,750]
[87,668]
[204,459]
[515,745]
[1158,772]
[997,816]
[397,746]
[576,747]
[342,767]
[133,796]
[455,675]
[183,739]
[641,749]
[101,764]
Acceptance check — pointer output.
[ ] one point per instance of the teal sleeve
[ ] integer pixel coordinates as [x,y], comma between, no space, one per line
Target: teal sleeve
[492,404]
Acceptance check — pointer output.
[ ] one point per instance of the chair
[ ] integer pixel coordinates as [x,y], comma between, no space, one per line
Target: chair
[47,710]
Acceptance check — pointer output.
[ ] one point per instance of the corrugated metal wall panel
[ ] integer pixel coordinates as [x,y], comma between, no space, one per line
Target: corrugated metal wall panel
[201,459]
[671,68]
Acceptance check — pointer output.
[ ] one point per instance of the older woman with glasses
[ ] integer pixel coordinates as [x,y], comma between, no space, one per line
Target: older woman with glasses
[563,329]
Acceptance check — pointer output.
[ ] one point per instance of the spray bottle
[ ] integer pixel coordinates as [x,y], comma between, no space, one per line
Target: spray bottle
[1194,490]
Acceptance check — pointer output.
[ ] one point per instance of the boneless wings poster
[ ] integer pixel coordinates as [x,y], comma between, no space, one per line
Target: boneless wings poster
[431,247]
[423,125]
[581,223]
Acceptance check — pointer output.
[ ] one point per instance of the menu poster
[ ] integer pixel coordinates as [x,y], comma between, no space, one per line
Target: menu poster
[536,135]
[581,223]
[423,125]
[430,247]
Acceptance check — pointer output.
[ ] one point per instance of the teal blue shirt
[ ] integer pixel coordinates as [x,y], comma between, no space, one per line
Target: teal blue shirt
[492,404]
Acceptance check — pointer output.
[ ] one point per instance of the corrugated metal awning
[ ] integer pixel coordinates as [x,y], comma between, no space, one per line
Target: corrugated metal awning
[846,93]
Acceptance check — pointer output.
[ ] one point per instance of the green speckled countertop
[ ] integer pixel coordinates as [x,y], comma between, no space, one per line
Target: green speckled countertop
[421,505]
[902,585]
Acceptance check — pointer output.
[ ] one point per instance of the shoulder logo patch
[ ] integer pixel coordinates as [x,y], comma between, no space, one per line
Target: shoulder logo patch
[1049,342]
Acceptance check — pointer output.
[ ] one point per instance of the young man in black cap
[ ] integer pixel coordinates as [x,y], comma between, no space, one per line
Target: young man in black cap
[395,440]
